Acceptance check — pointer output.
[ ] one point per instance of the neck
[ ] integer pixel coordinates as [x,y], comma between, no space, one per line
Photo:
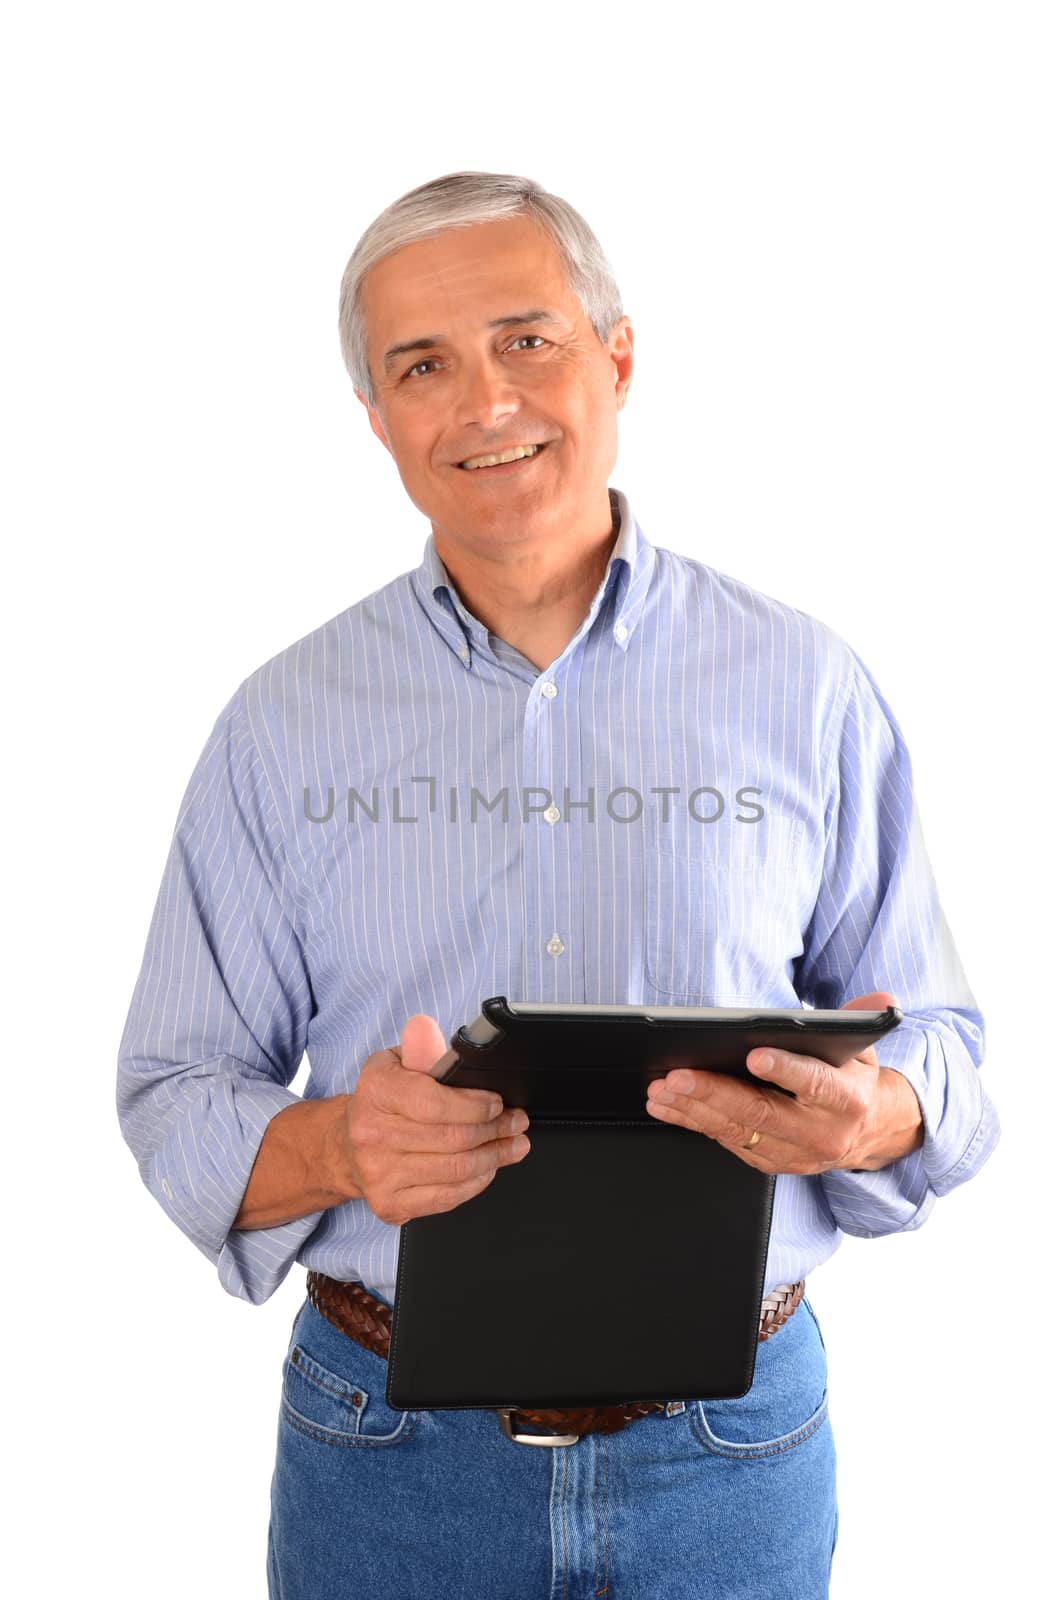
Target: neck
[534,598]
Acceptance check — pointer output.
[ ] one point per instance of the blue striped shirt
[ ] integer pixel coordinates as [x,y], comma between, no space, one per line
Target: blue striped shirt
[703,799]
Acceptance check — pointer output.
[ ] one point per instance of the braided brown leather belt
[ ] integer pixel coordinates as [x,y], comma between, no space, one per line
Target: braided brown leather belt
[366,1319]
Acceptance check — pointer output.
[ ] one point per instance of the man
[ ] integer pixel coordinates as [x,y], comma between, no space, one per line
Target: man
[343,880]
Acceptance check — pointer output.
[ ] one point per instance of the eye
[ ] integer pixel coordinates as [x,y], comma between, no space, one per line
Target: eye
[426,363]
[431,360]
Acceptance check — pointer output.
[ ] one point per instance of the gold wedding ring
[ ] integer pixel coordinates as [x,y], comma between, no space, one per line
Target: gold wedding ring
[752,1141]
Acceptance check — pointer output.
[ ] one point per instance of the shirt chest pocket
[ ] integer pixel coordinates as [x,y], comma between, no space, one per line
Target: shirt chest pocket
[720,912]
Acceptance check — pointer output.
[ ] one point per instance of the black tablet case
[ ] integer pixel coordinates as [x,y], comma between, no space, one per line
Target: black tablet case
[619,1260]
[622,1259]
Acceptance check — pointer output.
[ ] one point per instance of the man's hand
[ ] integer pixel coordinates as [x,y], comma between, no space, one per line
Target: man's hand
[858,1116]
[411,1145]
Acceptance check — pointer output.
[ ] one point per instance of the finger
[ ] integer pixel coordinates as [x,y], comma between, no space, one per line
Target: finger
[431,1201]
[878,1000]
[817,1086]
[792,1137]
[404,1135]
[459,1166]
[418,1192]
[768,1153]
[721,1100]
[765,1153]
[712,1108]
[421,1098]
[429,1183]
[422,1043]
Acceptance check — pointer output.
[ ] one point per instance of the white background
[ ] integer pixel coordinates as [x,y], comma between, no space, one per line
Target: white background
[834,229]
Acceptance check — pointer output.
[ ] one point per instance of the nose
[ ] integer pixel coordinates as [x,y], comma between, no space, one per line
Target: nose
[488,397]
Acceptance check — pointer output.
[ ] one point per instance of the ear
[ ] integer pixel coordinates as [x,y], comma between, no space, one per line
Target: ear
[620,348]
[375,421]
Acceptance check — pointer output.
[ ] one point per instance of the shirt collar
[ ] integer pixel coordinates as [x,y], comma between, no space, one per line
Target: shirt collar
[628,576]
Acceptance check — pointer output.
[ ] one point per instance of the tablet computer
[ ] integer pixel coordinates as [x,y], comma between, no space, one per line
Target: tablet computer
[624,1258]
[558,1059]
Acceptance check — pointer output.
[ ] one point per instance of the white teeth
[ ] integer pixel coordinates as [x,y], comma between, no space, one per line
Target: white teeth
[496,461]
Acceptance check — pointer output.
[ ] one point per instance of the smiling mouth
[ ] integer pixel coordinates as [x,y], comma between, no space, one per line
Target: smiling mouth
[490,462]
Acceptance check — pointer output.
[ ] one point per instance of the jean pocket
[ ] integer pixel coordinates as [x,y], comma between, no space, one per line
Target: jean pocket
[786,1404]
[341,1408]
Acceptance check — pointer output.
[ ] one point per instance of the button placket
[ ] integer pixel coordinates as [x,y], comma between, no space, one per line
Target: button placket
[548,850]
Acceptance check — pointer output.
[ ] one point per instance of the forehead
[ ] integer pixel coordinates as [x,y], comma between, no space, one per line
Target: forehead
[462,276]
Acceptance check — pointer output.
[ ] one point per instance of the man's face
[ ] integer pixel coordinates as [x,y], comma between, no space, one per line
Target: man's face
[474,389]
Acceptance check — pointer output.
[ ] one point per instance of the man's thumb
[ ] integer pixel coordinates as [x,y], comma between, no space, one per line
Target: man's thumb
[878,1000]
[422,1043]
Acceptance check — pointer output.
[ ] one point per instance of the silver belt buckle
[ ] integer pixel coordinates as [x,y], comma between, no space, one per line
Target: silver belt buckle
[504,1413]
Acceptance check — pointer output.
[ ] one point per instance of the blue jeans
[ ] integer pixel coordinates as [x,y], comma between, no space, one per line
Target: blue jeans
[728,1498]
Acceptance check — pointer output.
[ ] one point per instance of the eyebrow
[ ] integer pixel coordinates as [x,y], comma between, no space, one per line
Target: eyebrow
[428,341]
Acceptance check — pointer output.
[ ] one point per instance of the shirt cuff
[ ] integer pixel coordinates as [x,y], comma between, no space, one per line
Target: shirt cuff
[896,1199]
[199,1175]
[961,1125]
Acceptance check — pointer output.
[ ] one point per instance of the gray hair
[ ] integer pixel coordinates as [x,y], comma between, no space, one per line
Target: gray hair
[461,200]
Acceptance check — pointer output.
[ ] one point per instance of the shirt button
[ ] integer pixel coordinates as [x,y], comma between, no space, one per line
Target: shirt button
[549,690]
[166,1190]
[620,631]
[555,945]
[552,814]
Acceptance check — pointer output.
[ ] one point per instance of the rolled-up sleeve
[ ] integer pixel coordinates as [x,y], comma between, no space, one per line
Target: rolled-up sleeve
[217,1025]
[878,925]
